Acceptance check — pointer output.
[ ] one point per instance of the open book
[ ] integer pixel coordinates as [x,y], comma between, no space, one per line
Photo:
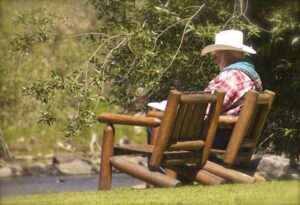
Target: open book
[158,105]
[162,105]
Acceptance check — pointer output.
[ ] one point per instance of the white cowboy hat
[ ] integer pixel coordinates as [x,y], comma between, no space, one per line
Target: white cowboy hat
[229,40]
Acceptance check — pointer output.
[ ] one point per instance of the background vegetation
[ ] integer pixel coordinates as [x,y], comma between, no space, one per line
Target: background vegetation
[78,59]
[24,60]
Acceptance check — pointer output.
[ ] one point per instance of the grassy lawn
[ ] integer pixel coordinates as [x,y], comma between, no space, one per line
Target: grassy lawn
[276,192]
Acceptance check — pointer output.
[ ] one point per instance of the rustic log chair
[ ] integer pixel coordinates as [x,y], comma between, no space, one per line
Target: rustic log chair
[177,140]
[246,131]
[247,128]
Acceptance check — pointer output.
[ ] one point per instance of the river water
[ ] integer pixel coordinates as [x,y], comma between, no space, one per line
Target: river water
[49,184]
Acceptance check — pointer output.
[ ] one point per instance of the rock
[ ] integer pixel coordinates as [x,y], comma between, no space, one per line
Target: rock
[143,161]
[67,163]
[139,129]
[6,172]
[135,159]
[36,169]
[77,166]
[124,140]
[95,161]
[276,167]
[63,158]
[95,169]
[60,180]
[63,145]
[17,169]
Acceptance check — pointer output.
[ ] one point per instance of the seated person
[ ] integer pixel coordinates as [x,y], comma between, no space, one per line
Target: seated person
[237,76]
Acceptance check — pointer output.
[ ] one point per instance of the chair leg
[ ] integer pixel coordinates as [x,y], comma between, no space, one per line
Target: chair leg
[105,177]
[171,173]
[154,135]
[259,178]
[193,173]
[142,173]
[227,174]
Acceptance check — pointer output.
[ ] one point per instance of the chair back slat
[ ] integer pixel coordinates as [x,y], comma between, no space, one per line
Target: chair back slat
[242,126]
[205,129]
[178,122]
[165,129]
[248,127]
[197,122]
[193,118]
[184,134]
[211,124]
[187,122]
[264,101]
[252,121]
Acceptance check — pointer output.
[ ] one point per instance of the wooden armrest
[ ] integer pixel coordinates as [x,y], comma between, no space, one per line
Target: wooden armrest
[157,114]
[227,121]
[129,120]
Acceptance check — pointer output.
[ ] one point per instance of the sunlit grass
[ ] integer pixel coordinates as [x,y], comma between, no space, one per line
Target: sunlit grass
[268,193]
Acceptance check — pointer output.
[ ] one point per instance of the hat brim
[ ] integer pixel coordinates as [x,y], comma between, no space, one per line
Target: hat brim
[216,47]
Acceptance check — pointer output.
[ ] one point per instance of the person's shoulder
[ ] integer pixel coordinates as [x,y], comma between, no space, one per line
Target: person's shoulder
[229,73]
[234,73]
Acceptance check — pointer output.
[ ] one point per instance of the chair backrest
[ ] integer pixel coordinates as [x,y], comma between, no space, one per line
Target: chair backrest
[188,117]
[248,127]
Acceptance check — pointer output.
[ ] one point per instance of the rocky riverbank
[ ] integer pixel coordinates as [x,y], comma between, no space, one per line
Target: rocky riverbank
[269,166]
[56,164]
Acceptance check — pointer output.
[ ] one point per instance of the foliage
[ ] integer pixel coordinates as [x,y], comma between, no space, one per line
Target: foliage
[57,56]
[275,192]
[19,114]
[136,51]
[141,50]
[279,64]
[39,23]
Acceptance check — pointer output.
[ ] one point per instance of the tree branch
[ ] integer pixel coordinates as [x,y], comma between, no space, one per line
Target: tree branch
[181,41]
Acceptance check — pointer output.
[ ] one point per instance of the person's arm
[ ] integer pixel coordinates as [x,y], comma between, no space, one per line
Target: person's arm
[227,121]
[223,82]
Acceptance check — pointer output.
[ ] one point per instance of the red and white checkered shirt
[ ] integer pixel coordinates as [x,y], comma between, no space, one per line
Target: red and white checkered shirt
[236,84]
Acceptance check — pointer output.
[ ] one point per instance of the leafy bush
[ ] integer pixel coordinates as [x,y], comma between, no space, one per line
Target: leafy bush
[135,51]
[141,50]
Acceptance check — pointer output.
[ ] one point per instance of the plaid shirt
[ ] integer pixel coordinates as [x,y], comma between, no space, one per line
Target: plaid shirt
[236,84]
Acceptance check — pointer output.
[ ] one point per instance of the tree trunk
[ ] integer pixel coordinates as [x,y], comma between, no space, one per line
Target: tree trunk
[5,152]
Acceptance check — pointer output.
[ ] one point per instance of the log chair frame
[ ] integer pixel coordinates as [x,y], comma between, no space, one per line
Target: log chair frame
[175,142]
[246,130]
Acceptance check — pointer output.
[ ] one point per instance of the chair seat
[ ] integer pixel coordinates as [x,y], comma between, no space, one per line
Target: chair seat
[148,150]
[247,143]
[133,149]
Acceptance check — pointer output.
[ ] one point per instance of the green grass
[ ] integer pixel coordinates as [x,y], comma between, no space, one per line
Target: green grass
[273,193]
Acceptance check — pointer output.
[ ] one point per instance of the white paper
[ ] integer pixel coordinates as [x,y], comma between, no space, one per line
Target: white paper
[158,105]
